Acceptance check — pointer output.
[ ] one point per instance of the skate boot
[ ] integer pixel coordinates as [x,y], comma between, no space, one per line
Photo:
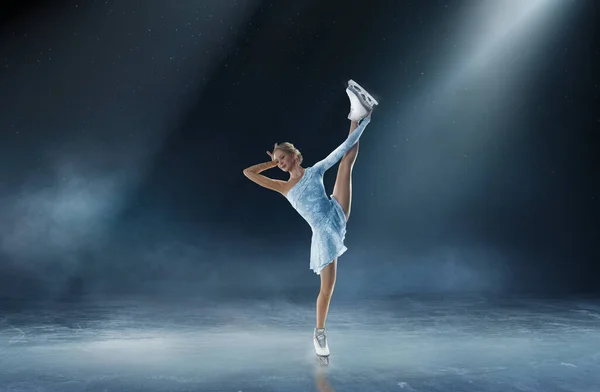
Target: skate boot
[320,342]
[361,102]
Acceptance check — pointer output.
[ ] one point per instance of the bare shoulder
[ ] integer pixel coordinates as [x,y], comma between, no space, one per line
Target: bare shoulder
[285,186]
[288,185]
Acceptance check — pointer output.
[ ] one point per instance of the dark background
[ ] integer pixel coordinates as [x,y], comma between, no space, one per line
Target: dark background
[126,127]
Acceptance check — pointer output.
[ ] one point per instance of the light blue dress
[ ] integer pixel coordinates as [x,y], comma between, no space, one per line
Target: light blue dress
[324,215]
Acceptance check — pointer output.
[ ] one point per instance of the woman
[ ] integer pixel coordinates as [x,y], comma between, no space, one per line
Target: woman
[305,191]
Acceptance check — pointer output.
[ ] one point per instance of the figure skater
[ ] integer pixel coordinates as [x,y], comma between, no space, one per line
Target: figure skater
[306,193]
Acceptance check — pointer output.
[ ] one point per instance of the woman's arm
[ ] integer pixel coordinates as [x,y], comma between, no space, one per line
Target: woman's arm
[339,152]
[252,173]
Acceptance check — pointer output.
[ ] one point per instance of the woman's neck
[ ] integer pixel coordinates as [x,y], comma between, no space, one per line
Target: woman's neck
[296,172]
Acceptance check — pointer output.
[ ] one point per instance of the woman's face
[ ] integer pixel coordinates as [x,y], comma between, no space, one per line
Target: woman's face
[285,160]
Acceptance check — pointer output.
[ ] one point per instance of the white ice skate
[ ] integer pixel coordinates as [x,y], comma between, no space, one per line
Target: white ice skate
[321,347]
[361,102]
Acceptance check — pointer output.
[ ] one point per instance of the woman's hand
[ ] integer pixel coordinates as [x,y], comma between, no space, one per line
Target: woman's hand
[271,154]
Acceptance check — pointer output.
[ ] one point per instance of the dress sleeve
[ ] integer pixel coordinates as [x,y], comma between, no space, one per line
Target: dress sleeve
[339,152]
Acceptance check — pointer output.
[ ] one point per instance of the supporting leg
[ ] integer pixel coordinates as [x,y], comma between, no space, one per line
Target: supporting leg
[328,276]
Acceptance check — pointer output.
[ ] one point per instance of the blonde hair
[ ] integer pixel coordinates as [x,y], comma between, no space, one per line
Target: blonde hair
[290,149]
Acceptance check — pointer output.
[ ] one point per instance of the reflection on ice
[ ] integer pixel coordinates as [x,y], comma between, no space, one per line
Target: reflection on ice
[406,344]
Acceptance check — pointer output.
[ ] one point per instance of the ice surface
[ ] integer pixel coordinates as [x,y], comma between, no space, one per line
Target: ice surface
[396,344]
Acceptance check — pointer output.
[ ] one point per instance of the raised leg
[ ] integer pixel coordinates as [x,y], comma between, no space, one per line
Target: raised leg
[342,190]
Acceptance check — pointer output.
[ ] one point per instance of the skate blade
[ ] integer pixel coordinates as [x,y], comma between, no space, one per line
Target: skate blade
[363,94]
[323,360]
